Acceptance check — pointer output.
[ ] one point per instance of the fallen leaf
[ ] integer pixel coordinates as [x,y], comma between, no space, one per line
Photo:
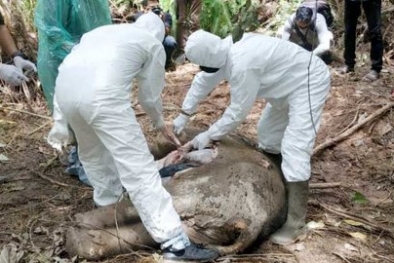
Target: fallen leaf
[10,254]
[3,122]
[350,247]
[383,128]
[315,225]
[3,158]
[353,223]
[361,117]
[358,235]
[299,247]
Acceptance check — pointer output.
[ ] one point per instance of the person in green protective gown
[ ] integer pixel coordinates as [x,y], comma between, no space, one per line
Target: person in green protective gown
[60,25]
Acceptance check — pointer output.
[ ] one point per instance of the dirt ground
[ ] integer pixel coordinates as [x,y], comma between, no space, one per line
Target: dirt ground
[350,214]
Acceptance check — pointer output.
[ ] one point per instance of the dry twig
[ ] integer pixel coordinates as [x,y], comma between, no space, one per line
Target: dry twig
[51,180]
[26,112]
[324,185]
[353,129]
[341,257]
[39,128]
[377,228]
[353,121]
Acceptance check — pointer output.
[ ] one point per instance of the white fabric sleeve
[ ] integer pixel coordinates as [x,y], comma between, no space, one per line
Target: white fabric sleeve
[324,35]
[151,83]
[245,86]
[287,28]
[203,83]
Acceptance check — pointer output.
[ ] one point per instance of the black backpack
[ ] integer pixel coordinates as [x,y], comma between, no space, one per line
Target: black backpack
[322,7]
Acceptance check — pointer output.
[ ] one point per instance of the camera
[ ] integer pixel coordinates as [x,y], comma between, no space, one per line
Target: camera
[157,10]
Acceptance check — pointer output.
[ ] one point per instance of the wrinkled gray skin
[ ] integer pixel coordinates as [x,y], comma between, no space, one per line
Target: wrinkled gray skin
[226,205]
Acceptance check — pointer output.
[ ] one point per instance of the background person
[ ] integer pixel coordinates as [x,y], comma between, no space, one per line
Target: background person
[13,74]
[372,10]
[309,30]
[60,25]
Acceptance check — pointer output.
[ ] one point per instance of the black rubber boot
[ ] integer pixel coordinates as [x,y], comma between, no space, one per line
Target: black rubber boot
[191,253]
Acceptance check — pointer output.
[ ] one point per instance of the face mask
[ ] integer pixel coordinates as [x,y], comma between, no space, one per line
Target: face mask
[208,69]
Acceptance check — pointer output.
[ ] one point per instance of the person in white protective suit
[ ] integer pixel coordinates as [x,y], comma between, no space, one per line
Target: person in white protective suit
[260,66]
[92,96]
[309,30]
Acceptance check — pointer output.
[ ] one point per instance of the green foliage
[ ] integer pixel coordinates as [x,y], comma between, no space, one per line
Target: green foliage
[245,20]
[222,17]
[359,198]
[168,6]
[28,7]
[216,17]
[285,9]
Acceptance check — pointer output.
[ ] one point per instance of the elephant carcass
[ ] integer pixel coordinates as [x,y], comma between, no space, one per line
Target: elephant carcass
[226,205]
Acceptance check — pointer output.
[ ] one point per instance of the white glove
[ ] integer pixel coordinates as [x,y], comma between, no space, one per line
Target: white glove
[180,123]
[12,75]
[59,136]
[201,141]
[24,64]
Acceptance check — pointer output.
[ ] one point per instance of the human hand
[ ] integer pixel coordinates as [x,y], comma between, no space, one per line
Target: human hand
[170,136]
[179,123]
[59,136]
[201,141]
[24,64]
[12,75]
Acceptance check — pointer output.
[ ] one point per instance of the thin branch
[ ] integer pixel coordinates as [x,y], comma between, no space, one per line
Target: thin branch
[353,129]
[26,112]
[50,179]
[39,128]
[353,121]
[324,185]
[388,10]
[341,257]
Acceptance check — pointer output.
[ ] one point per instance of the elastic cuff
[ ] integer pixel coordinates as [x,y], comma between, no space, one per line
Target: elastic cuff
[18,54]
[177,243]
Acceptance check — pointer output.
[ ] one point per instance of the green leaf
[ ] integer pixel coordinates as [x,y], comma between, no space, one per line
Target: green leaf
[359,198]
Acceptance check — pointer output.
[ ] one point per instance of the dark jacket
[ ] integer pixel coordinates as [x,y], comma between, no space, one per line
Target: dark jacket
[1,19]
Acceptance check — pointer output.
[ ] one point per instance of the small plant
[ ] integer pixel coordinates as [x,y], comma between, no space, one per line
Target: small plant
[359,198]
[229,16]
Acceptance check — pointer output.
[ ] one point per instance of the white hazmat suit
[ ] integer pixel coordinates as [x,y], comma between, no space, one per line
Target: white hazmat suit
[92,95]
[259,66]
